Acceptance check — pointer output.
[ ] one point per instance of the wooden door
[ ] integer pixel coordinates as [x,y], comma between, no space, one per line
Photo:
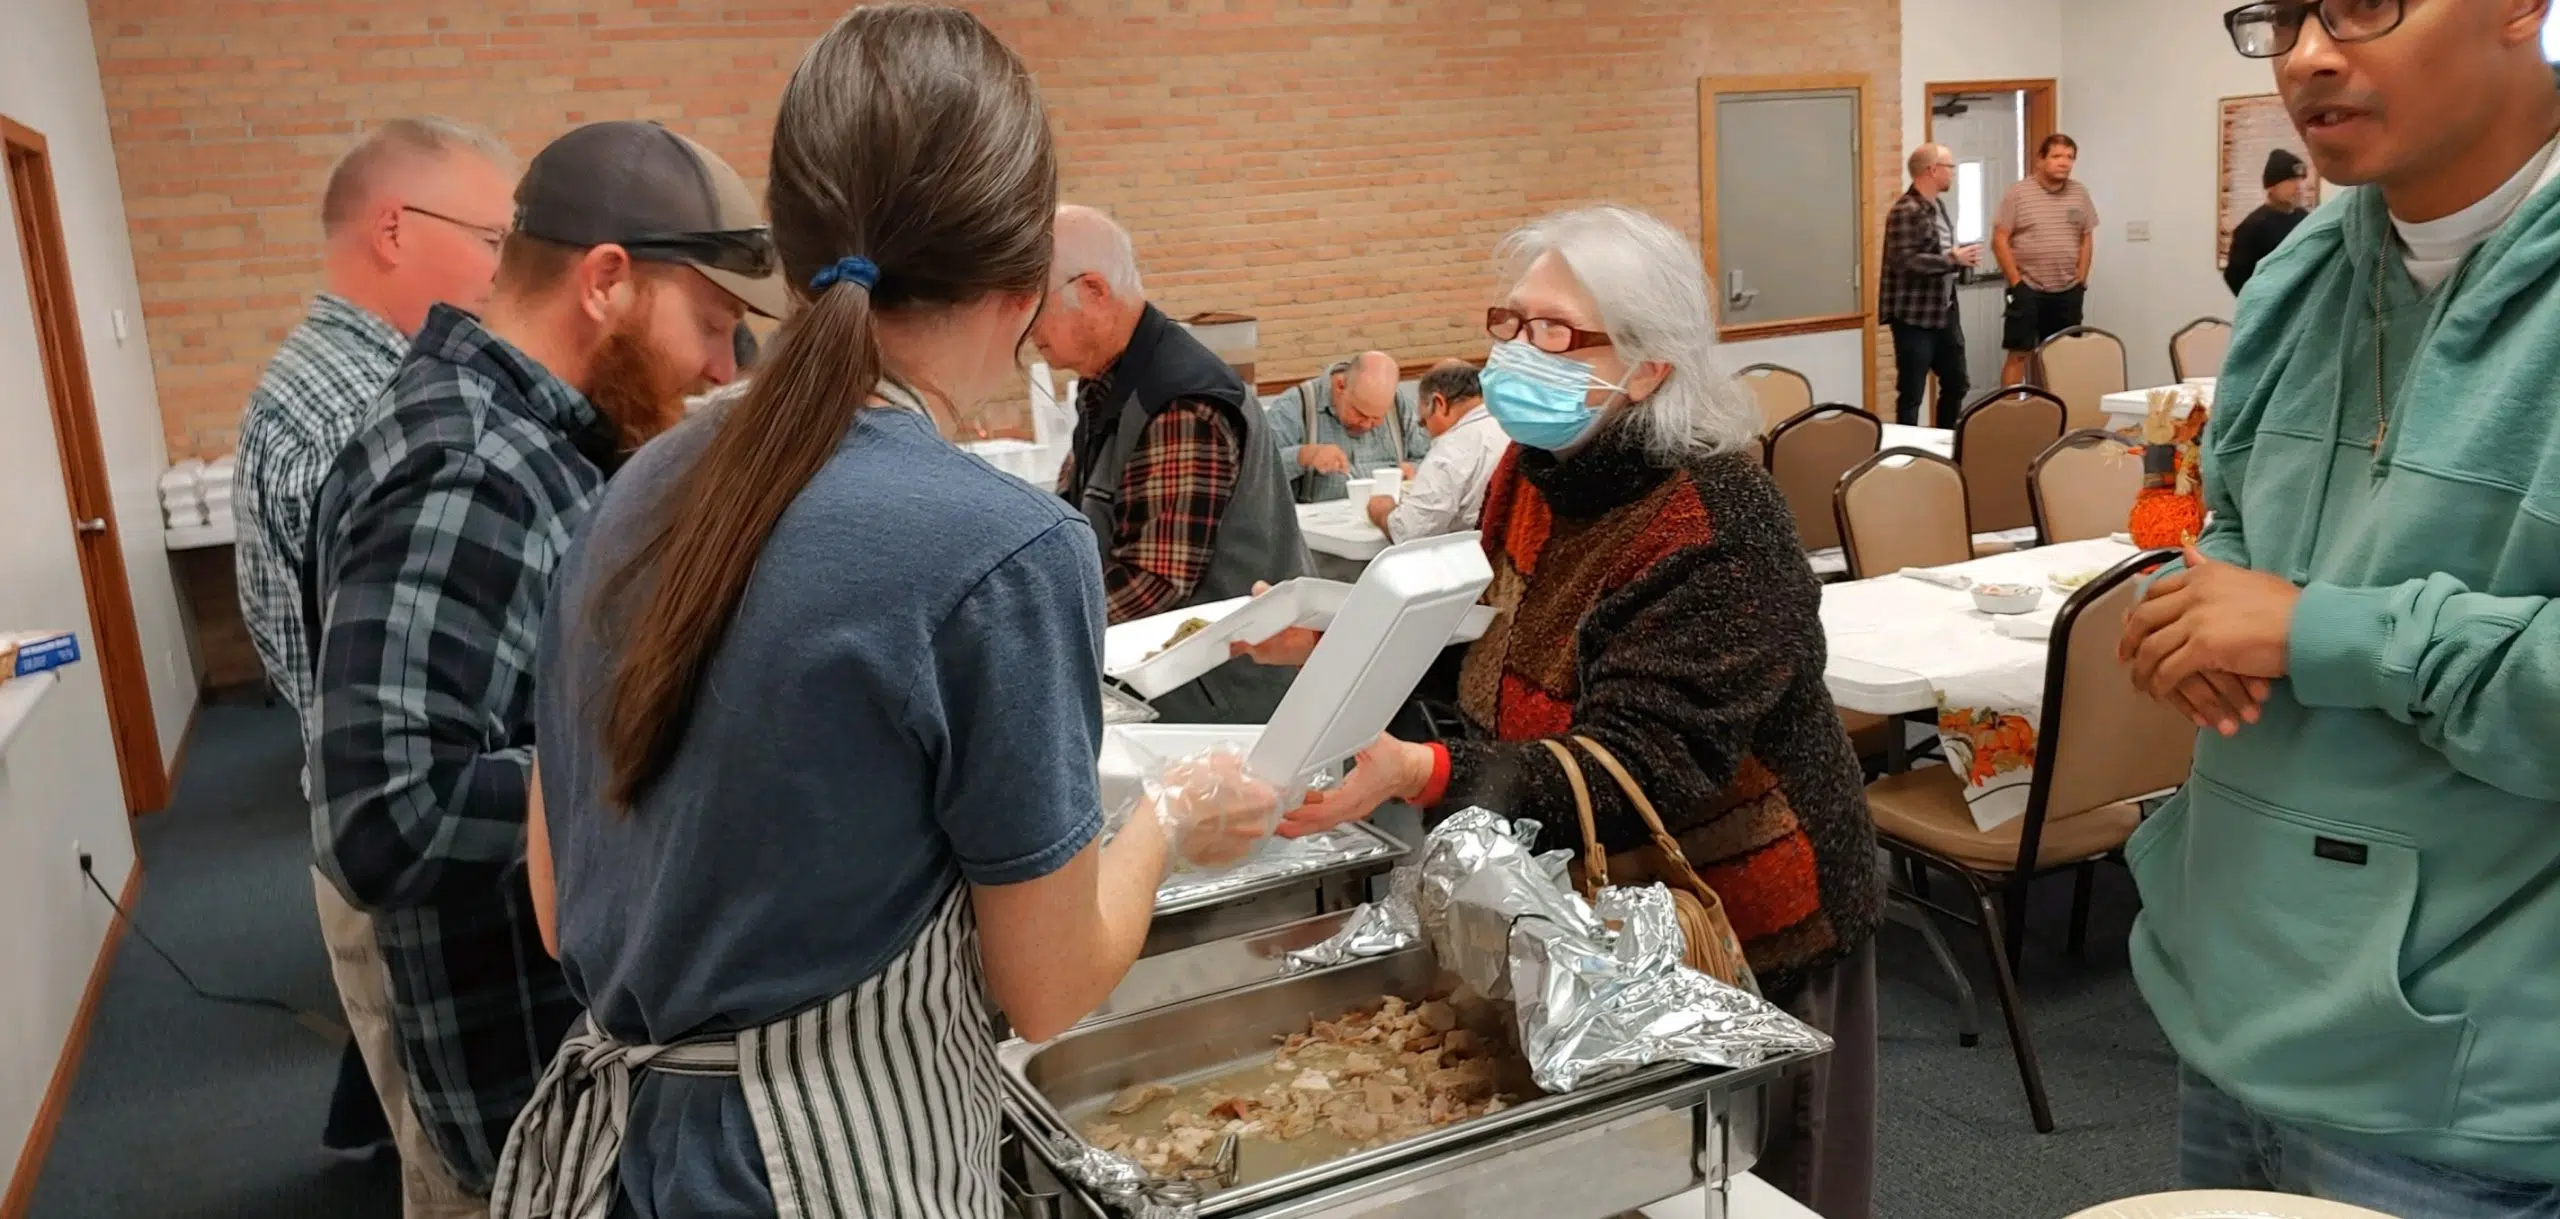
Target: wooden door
[114,645]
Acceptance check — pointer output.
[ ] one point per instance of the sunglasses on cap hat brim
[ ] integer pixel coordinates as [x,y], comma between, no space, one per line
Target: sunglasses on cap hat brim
[746,252]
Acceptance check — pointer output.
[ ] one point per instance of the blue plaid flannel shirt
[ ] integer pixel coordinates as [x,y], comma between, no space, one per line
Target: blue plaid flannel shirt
[433,547]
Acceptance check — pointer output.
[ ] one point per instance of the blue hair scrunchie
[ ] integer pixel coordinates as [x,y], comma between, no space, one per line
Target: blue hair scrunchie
[851,269]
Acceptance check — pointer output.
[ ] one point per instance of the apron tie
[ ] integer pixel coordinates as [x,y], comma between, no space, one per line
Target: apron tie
[573,1126]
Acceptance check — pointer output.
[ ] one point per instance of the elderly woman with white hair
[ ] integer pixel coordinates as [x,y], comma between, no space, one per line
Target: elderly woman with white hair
[1655,600]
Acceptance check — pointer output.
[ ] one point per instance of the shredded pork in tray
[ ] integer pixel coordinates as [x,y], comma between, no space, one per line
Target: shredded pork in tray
[1363,1080]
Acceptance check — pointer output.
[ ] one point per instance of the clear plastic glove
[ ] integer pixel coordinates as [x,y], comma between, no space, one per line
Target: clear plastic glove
[1213,810]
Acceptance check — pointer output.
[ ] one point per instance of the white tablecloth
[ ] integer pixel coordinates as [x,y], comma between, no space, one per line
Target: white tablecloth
[1896,641]
[2129,408]
[1938,440]
[1341,529]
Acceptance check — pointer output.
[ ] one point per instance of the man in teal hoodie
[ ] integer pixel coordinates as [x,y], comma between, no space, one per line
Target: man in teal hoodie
[2351,915]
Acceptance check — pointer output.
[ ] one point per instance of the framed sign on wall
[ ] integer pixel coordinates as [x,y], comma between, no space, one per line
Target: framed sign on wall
[2252,127]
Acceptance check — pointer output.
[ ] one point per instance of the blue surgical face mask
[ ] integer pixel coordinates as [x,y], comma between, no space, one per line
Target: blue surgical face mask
[1540,398]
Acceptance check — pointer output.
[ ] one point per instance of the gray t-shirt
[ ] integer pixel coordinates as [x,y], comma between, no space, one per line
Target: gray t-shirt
[907,696]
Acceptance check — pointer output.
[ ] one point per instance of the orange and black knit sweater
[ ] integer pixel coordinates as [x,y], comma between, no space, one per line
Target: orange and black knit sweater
[1669,614]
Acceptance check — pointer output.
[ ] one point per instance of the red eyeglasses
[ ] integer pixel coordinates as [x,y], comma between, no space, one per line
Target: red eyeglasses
[1547,334]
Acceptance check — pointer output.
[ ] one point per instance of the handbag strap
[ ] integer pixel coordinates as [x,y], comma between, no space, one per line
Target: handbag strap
[1662,839]
[1595,862]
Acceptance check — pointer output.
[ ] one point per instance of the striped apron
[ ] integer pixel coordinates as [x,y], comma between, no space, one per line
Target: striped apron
[880,1101]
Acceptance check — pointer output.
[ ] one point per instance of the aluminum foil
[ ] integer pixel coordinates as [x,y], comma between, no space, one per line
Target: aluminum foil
[1596,1002]
[1273,859]
[1117,1182]
[1590,1000]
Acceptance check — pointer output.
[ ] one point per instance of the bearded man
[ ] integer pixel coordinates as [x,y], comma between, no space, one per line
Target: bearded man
[633,256]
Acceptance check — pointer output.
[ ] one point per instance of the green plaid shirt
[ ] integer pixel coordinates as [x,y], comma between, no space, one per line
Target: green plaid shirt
[433,546]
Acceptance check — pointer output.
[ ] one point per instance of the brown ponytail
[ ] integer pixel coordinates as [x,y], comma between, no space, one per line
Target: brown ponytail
[909,136]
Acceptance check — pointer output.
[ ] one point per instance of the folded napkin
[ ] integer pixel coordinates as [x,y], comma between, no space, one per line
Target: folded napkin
[1939,576]
[2024,626]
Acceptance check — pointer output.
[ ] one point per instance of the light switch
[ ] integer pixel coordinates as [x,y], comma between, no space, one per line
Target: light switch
[2137,230]
[117,316]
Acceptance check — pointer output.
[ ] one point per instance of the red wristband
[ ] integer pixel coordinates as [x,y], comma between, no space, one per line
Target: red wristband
[1436,787]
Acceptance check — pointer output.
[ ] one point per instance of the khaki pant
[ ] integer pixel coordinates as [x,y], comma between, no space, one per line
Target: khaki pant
[427,1189]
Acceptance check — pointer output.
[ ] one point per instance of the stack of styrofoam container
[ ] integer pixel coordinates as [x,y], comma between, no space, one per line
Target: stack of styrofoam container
[218,475]
[182,495]
[196,494]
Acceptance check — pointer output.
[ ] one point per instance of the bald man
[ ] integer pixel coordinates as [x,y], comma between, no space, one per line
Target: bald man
[1172,462]
[411,218]
[1922,264]
[1344,423]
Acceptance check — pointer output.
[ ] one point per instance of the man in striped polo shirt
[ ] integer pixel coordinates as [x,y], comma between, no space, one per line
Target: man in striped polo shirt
[2044,234]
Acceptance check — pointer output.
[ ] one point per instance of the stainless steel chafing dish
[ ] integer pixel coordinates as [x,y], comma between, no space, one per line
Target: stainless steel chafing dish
[1188,1015]
[1288,880]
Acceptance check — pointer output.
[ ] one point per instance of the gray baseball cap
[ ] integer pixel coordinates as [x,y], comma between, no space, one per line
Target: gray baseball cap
[658,195]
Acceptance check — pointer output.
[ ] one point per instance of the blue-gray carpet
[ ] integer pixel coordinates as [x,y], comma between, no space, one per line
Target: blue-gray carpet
[189,1110]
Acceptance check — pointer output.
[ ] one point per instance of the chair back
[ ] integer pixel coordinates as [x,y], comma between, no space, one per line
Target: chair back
[2101,741]
[2083,486]
[2082,366]
[2198,347]
[1902,508]
[1807,456]
[1997,438]
[1783,393]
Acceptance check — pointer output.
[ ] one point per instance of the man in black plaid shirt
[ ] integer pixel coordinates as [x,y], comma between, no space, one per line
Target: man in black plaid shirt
[634,254]
[1918,292]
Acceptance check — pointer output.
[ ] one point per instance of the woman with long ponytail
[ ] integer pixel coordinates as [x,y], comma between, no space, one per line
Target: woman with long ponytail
[819,704]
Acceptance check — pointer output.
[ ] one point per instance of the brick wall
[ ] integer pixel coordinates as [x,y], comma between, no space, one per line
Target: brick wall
[1340,168]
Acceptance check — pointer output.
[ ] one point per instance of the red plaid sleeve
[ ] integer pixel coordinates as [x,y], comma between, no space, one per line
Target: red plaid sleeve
[1171,498]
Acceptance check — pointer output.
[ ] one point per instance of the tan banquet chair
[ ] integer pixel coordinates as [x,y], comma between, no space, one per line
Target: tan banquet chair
[2082,366]
[2198,347]
[1902,508]
[1783,393]
[2083,487]
[2101,746]
[1807,456]
[1997,439]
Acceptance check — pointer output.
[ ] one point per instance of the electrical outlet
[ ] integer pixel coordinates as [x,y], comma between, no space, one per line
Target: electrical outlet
[2137,230]
[80,854]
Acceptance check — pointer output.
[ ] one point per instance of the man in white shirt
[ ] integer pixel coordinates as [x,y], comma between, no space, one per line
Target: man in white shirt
[1446,493]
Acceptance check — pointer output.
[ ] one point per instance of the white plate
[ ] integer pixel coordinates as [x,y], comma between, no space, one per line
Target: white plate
[2227,1204]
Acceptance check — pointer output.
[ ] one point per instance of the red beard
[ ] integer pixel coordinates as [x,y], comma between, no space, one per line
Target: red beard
[633,385]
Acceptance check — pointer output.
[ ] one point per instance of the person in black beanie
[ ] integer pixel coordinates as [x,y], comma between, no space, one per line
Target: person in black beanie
[2267,227]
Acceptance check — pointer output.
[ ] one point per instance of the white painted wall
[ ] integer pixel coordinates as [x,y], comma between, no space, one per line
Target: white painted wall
[2149,79]
[1835,361]
[58,779]
[1954,40]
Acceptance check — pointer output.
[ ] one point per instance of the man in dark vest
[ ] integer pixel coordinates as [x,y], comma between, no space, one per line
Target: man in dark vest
[1171,461]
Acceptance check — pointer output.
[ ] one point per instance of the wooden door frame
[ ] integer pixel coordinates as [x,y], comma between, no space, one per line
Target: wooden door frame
[2043,107]
[1861,87]
[115,642]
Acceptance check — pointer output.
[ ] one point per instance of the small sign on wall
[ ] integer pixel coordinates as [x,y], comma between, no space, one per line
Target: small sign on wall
[2252,127]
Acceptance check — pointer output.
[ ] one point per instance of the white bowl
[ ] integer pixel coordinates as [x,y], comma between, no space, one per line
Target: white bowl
[2007,598]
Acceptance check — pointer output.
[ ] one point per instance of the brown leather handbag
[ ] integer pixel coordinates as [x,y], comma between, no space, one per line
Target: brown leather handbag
[1708,940]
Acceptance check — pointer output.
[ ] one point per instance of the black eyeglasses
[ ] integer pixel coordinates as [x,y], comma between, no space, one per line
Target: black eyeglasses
[490,237]
[2269,29]
[747,252]
[1552,335]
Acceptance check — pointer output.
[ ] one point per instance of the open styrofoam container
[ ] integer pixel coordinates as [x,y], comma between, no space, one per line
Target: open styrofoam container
[1409,604]
[1307,602]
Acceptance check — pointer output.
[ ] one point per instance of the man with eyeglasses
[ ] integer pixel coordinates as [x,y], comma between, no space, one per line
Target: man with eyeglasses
[2350,912]
[1171,460]
[1918,291]
[410,219]
[633,255]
